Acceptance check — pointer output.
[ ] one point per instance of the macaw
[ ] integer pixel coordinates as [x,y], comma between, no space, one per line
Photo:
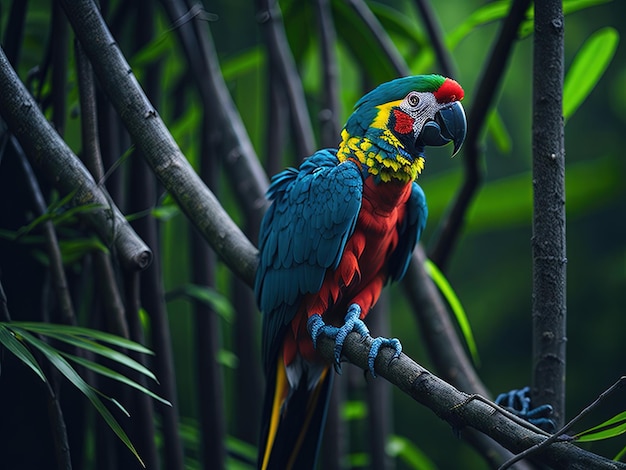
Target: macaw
[339,227]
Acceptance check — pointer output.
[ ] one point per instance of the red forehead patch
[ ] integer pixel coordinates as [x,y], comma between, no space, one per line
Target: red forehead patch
[404,122]
[449,91]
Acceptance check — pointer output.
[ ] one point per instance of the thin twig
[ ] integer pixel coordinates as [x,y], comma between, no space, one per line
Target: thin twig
[459,409]
[486,91]
[57,272]
[561,432]
[380,35]
[329,116]
[435,33]
[282,59]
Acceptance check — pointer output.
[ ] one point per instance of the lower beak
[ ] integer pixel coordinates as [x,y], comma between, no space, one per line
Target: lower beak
[449,125]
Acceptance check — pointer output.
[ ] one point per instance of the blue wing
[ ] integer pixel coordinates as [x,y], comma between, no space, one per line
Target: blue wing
[410,232]
[304,232]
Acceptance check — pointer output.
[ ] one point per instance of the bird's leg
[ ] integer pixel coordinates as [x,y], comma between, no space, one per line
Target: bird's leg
[353,322]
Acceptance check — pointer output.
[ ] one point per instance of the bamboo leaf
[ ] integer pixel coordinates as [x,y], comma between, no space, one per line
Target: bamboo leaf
[9,341]
[455,304]
[587,68]
[70,374]
[44,328]
[610,428]
[110,373]
[103,351]
[207,296]
[414,457]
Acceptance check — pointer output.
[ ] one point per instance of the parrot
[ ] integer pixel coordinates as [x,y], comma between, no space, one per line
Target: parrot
[339,228]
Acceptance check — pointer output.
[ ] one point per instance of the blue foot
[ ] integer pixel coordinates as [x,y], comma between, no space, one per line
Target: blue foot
[317,327]
[518,402]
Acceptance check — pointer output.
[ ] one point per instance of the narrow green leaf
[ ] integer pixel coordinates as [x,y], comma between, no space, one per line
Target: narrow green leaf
[498,132]
[610,428]
[66,336]
[70,374]
[207,296]
[241,448]
[165,212]
[620,455]
[103,351]
[483,15]
[227,358]
[71,330]
[243,63]
[446,289]
[398,446]
[103,370]
[9,341]
[587,68]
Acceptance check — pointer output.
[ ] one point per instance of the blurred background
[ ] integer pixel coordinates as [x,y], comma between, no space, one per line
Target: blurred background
[490,269]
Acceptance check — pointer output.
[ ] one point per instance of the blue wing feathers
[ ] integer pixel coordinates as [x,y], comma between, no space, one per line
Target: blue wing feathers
[304,232]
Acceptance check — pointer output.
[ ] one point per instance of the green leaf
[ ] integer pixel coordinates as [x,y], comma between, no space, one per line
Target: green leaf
[398,446]
[227,358]
[498,132]
[165,212]
[44,328]
[352,410]
[587,68]
[610,428]
[70,374]
[486,14]
[13,344]
[243,63]
[444,286]
[207,296]
[103,351]
[105,371]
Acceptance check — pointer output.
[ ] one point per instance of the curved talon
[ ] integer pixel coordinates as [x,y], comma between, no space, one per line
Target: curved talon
[519,403]
[352,322]
[378,343]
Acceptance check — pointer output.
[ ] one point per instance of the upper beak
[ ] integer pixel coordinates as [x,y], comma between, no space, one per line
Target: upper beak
[449,125]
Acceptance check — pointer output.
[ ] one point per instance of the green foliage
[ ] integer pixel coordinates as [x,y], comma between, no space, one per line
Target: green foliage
[408,452]
[490,272]
[20,337]
[455,305]
[587,69]
[612,427]
[207,296]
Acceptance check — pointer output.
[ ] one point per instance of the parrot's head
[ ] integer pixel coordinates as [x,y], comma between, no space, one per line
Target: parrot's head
[391,125]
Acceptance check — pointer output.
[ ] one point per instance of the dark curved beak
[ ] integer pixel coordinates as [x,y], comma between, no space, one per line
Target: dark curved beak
[449,125]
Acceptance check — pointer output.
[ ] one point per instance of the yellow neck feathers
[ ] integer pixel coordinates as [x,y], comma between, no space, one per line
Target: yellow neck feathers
[379,162]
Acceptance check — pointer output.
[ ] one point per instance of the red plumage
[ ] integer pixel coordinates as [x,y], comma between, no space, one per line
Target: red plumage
[362,271]
[449,91]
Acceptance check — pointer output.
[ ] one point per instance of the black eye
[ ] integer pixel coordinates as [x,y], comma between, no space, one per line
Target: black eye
[413,99]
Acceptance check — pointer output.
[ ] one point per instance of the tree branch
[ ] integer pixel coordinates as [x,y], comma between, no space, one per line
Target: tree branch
[378,32]
[548,241]
[156,143]
[461,410]
[147,129]
[281,58]
[442,53]
[53,157]
[245,173]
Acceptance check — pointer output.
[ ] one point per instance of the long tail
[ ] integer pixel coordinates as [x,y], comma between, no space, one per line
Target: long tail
[293,420]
